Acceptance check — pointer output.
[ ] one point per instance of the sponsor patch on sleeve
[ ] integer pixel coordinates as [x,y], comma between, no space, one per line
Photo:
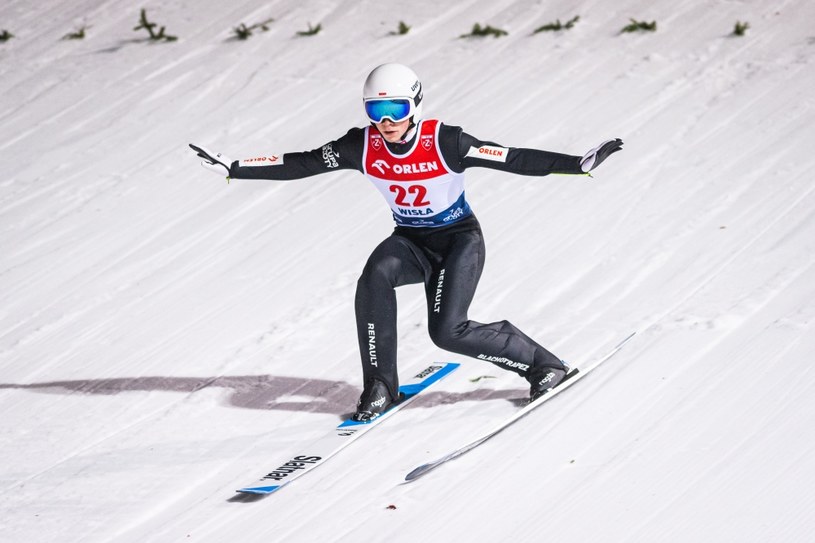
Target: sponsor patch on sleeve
[268,160]
[330,156]
[489,152]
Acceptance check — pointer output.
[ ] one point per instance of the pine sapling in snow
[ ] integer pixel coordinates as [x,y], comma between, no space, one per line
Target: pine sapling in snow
[480,32]
[557,26]
[151,29]
[740,28]
[243,32]
[76,35]
[639,26]
[401,31]
[312,30]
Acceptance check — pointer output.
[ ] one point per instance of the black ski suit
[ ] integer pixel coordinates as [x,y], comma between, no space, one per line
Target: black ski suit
[447,257]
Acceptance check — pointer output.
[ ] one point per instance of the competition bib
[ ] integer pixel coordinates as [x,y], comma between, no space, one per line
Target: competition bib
[419,187]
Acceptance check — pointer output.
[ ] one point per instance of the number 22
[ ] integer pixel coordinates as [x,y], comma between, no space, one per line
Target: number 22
[419,192]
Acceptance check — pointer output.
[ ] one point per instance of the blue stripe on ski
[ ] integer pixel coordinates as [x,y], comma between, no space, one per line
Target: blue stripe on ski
[409,391]
[412,390]
[260,490]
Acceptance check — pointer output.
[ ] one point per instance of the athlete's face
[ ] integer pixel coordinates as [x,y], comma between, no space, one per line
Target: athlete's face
[391,131]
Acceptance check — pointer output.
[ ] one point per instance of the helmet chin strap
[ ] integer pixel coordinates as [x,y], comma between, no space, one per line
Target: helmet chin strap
[410,132]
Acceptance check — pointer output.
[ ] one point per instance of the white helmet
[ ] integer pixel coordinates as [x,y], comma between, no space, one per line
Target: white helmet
[392,91]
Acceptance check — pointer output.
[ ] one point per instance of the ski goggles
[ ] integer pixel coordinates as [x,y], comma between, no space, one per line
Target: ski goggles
[395,109]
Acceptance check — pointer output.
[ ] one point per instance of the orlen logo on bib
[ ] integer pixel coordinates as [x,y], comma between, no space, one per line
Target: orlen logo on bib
[406,169]
[419,167]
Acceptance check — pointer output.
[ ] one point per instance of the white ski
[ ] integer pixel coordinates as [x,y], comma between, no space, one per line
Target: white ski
[580,373]
[316,453]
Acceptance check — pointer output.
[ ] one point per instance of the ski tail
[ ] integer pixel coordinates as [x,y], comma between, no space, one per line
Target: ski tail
[316,453]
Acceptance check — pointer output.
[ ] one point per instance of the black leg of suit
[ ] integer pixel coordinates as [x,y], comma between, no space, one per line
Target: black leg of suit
[449,262]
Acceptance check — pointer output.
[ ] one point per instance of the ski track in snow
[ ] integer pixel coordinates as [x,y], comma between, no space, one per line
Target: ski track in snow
[166,336]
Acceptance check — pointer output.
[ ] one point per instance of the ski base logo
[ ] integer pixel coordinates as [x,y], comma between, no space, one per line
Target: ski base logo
[296,463]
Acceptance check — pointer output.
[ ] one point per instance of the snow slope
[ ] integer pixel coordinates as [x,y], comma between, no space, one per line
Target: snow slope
[166,337]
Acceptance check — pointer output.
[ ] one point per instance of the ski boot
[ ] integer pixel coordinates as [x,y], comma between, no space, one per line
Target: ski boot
[374,401]
[542,379]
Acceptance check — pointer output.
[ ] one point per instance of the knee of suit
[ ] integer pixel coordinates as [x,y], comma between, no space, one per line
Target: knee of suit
[449,336]
[380,273]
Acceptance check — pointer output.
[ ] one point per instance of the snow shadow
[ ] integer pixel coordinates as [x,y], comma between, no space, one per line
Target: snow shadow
[262,391]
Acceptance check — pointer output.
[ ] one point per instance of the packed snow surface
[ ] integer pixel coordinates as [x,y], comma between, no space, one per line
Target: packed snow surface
[166,337]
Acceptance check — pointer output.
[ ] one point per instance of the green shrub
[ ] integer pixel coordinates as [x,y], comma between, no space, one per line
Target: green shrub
[479,32]
[401,31]
[242,32]
[741,28]
[76,35]
[640,26]
[151,29]
[5,36]
[558,26]
[312,30]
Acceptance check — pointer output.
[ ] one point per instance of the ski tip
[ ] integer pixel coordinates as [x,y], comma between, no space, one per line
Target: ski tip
[258,490]
[418,472]
[626,340]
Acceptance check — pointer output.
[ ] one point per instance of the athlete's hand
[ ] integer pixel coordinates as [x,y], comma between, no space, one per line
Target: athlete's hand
[594,157]
[215,162]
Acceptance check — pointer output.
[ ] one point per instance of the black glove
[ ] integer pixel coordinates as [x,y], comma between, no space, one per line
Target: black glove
[593,158]
[215,162]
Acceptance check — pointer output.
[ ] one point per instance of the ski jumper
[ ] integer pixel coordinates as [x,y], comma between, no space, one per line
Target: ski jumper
[437,240]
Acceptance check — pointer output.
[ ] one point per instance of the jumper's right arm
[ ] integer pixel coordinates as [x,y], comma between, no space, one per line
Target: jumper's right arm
[344,153]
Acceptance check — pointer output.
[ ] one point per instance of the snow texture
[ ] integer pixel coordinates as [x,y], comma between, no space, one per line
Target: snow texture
[164,335]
